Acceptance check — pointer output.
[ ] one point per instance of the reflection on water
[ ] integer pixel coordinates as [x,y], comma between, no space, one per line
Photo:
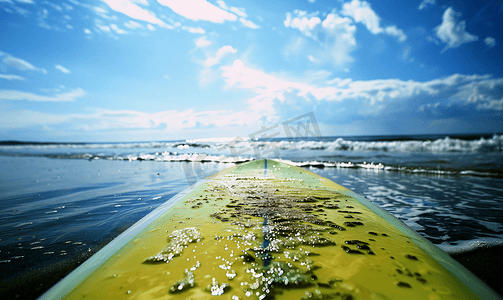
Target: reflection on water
[443,209]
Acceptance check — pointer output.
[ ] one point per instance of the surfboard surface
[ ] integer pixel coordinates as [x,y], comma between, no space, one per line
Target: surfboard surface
[267,230]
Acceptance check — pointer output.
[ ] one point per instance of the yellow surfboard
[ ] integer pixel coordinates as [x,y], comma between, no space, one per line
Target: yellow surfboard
[268,230]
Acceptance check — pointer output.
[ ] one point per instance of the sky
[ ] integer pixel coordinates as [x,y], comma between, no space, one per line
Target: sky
[147,70]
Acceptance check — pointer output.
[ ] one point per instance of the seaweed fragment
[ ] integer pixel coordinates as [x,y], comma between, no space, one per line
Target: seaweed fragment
[177,240]
[184,284]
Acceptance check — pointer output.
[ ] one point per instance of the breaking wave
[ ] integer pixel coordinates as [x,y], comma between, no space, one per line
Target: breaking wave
[421,144]
[429,155]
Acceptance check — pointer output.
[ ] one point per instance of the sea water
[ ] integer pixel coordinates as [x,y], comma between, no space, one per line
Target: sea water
[63,200]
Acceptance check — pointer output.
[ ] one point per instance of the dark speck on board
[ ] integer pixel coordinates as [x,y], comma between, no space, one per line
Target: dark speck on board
[404,284]
[347,297]
[421,279]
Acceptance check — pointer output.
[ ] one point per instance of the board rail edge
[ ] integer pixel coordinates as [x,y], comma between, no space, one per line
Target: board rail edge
[474,283]
[65,285]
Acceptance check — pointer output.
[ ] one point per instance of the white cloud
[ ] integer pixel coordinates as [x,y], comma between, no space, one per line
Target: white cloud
[117,29]
[62,69]
[55,6]
[222,5]
[239,11]
[248,23]
[150,27]
[362,12]
[11,77]
[336,34]
[312,58]
[211,61]
[238,75]
[303,22]
[132,10]
[429,106]
[198,30]
[491,105]
[43,16]
[101,12]
[18,63]
[490,41]
[424,3]
[485,93]
[202,42]
[394,31]
[132,24]
[340,38]
[87,31]
[103,28]
[197,10]
[18,95]
[452,31]
[13,7]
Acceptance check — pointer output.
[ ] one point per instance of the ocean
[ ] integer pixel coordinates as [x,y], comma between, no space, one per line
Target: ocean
[61,202]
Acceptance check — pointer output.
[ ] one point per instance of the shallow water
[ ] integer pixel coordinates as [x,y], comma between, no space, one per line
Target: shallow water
[52,209]
[447,210]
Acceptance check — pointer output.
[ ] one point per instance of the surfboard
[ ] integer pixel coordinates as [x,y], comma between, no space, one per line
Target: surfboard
[268,230]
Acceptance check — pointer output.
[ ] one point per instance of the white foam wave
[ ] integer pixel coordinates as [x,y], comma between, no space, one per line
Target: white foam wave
[495,144]
[169,157]
[216,140]
[470,245]
[444,145]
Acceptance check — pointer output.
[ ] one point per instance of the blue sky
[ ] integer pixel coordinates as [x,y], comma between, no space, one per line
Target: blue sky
[136,70]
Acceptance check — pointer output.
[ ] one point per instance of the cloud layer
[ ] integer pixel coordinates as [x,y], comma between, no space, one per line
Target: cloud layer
[457,89]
